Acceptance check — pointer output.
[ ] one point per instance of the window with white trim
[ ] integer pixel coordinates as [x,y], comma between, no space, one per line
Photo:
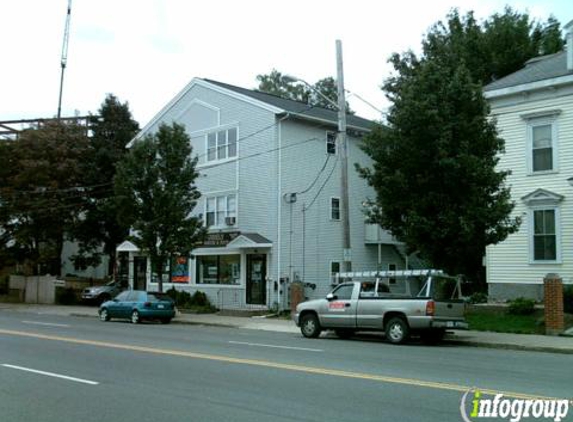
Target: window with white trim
[335,209]
[218,208]
[222,144]
[331,143]
[544,234]
[542,140]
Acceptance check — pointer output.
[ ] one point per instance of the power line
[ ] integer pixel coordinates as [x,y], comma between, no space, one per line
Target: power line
[323,185]
[317,176]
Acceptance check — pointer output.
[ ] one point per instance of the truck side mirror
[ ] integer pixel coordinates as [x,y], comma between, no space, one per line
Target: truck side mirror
[330,296]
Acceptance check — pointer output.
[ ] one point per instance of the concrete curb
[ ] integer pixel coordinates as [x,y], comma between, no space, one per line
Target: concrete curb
[507,346]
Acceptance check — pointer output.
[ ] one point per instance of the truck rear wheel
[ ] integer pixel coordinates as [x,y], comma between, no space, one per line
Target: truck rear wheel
[310,326]
[397,330]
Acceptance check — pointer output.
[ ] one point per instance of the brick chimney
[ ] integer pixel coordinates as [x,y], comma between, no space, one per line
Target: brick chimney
[569,37]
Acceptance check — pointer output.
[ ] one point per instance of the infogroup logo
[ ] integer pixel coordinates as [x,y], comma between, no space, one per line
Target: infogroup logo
[514,410]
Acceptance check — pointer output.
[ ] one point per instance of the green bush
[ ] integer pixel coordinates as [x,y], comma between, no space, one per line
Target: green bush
[198,300]
[66,296]
[182,299]
[521,306]
[568,299]
[478,297]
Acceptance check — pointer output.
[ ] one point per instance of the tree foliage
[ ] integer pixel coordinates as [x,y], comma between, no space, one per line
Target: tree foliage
[280,85]
[434,164]
[99,231]
[41,193]
[156,193]
[496,47]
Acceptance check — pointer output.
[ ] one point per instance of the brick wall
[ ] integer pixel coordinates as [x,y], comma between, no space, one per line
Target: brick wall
[553,293]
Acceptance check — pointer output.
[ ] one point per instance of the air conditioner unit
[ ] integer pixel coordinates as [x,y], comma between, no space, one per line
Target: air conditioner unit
[230,221]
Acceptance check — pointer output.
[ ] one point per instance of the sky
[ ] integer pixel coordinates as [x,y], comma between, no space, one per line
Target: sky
[146,51]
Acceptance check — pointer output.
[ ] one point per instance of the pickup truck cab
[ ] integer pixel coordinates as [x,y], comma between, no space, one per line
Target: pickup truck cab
[387,304]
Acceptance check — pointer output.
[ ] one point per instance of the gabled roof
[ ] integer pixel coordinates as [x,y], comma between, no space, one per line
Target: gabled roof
[535,70]
[299,108]
[269,102]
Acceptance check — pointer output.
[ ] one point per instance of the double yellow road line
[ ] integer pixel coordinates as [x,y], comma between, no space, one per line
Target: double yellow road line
[277,365]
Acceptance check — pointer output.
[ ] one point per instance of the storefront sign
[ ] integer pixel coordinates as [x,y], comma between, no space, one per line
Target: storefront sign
[219,240]
[180,273]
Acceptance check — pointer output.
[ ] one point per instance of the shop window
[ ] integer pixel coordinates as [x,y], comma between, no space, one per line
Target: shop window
[219,269]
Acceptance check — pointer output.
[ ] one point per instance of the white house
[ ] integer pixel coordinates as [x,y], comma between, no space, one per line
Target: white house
[270,184]
[534,112]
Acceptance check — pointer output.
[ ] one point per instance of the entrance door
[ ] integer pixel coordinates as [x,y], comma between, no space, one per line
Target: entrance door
[139,272]
[256,283]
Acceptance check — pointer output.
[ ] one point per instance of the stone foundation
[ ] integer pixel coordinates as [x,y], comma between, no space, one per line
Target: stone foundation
[502,292]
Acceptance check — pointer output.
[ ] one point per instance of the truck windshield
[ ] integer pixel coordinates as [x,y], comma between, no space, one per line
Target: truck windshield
[444,288]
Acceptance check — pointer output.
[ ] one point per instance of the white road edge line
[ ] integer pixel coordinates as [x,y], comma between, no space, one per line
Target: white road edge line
[51,374]
[276,347]
[48,324]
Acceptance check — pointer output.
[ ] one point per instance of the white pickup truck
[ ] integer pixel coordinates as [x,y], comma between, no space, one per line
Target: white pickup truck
[400,303]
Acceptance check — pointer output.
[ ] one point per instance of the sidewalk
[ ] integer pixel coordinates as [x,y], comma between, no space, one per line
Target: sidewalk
[528,342]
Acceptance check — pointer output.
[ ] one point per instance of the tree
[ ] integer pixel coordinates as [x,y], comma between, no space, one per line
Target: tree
[499,46]
[99,231]
[156,193]
[276,83]
[280,85]
[434,170]
[42,193]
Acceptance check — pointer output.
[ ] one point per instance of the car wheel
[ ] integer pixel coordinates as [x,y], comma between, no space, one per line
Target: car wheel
[310,326]
[104,315]
[344,333]
[165,320]
[397,330]
[135,318]
[432,336]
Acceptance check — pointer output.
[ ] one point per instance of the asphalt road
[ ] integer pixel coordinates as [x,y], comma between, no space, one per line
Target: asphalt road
[80,369]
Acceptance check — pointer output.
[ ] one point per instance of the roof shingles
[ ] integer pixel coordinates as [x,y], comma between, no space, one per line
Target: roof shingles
[296,107]
[535,70]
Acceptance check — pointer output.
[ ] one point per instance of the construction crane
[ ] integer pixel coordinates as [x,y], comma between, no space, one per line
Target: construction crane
[64,60]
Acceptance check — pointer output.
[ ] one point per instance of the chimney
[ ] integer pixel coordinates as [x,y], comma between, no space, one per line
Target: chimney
[569,37]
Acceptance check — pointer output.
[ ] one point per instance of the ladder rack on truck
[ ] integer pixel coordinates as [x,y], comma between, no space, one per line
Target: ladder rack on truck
[398,281]
[387,274]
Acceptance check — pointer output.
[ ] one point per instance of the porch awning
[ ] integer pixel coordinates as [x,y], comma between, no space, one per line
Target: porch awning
[127,246]
[250,240]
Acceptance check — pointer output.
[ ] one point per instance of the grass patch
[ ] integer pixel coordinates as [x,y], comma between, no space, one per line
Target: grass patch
[500,321]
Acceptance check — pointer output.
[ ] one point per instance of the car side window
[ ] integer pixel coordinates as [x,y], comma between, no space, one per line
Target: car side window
[135,296]
[122,296]
[343,292]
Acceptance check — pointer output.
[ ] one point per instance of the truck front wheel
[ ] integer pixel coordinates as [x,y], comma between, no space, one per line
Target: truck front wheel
[397,330]
[310,326]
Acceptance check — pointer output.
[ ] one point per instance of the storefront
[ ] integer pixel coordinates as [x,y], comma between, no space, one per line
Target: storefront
[231,268]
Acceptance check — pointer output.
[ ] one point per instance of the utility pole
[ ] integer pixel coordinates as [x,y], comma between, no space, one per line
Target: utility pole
[343,151]
[64,60]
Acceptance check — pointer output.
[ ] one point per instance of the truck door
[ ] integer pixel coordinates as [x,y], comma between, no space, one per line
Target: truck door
[340,311]
[371,305]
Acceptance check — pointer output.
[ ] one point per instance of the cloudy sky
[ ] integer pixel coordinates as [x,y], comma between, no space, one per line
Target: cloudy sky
[146,51]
